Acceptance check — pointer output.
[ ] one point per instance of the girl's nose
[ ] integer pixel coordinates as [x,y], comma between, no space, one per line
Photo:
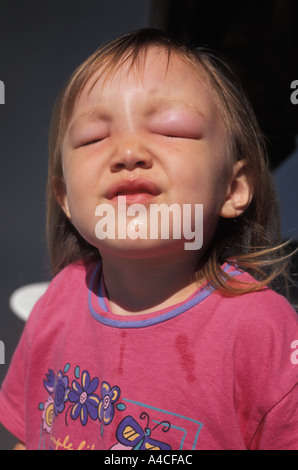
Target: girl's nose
[130,155]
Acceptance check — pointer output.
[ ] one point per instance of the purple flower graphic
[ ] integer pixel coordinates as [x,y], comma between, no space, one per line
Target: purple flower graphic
[49,381]
[106,409]
[85,401]
[61,392]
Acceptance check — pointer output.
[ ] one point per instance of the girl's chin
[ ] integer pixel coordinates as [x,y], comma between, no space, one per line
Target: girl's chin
[139,248]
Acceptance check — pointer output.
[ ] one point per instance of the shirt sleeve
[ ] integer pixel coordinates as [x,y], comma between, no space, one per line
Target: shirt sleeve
[14,387]
[19,384]
[12,393]
[266,372]
[283,419]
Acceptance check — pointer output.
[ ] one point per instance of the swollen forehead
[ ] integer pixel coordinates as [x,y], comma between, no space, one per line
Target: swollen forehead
[154,67]
[115,71]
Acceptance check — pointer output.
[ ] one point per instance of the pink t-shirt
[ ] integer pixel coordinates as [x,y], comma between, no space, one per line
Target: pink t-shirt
[209,373]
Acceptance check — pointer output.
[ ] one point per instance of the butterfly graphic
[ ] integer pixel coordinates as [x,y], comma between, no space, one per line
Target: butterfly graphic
[132,436]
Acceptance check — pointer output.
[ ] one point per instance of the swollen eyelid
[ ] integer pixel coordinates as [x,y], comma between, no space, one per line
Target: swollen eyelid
[86,139]
[89,134]
[183,132]
[177,126]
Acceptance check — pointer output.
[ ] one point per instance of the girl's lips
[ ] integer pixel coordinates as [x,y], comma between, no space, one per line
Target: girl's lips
[134,197]
[136,190]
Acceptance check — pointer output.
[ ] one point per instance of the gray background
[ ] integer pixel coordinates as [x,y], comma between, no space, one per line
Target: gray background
[41,43]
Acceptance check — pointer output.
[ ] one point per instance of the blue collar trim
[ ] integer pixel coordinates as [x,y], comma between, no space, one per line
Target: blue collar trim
[145,322]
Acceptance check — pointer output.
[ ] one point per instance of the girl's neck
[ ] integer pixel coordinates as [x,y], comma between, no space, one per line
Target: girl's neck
[137,286]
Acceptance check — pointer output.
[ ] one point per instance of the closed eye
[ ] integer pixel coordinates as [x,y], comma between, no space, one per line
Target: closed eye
[178,132]
[185,135]
[172,136]
[92,142]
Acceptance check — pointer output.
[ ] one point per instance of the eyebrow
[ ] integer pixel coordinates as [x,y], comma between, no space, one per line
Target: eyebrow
[158,103]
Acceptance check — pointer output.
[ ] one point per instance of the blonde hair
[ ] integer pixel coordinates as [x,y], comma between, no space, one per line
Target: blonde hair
[251,240]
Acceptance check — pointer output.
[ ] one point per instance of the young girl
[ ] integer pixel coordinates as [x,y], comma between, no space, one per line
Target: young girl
[140,343]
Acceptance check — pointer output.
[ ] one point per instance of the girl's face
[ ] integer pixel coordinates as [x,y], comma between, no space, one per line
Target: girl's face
[154,135]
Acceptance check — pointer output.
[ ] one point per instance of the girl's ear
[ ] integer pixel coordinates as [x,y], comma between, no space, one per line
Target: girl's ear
[59,189]
[239,193]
